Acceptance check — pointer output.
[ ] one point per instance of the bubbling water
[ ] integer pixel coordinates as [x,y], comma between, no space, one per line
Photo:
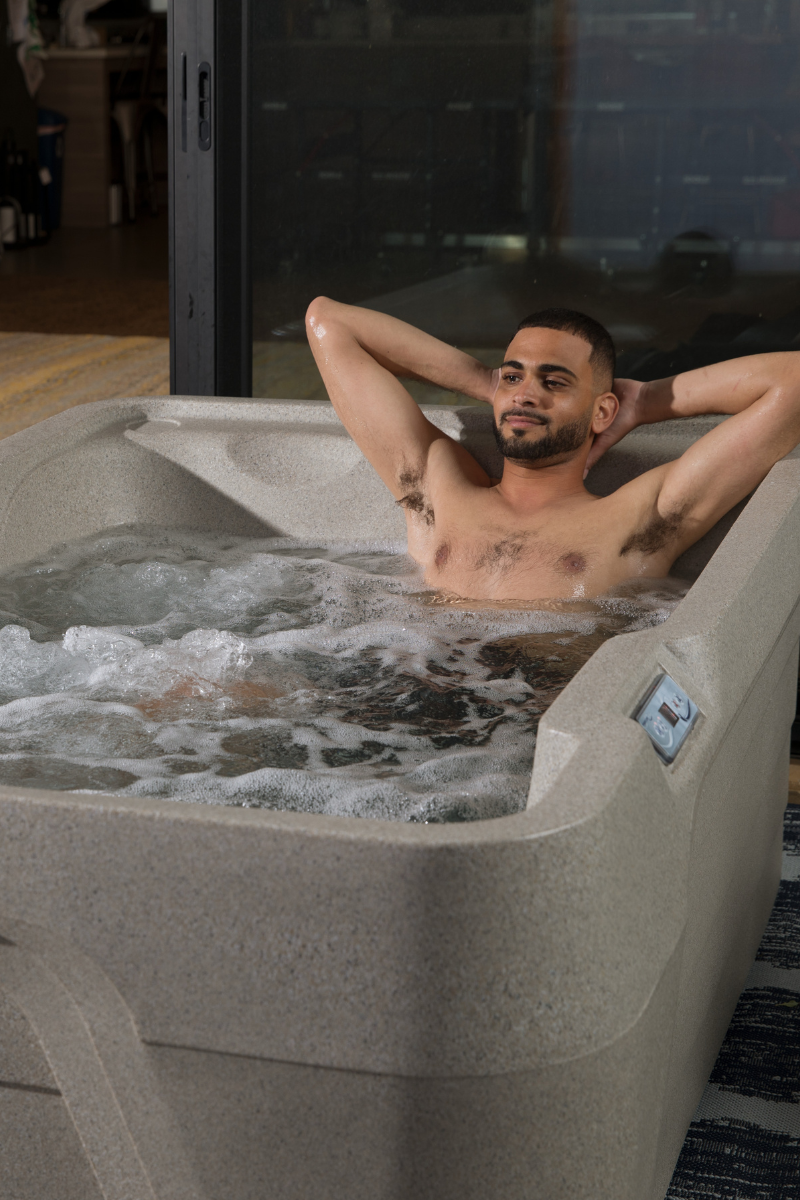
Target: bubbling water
[272,673]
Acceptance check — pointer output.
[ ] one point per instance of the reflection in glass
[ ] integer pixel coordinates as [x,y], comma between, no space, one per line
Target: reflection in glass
[460,163]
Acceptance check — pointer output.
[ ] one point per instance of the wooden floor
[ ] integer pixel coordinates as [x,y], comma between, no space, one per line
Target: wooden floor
[84,317]
[43,373]
[65,304]
[110,281]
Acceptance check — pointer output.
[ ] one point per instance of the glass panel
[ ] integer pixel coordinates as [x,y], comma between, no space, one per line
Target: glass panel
[460,163]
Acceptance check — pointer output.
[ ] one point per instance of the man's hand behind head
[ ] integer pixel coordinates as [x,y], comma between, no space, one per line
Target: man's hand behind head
[628,392]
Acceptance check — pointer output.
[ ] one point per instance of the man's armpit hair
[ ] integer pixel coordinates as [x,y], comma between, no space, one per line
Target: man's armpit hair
[410,478]
[657,533]
[416,502]
[414,499]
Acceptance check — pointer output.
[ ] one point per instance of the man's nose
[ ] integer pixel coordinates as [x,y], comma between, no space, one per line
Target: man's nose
[527,394]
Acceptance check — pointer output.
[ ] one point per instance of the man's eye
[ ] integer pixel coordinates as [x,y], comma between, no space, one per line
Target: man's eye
[512,378]
[550,381]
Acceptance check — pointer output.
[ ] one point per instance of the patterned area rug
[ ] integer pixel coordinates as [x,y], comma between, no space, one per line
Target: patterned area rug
[744,1142]
[43,373]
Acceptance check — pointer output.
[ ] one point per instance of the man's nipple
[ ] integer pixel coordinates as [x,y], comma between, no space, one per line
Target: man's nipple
[572,563]
[442,555]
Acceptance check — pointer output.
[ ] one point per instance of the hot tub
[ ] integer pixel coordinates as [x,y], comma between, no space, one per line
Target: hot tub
[227,1003]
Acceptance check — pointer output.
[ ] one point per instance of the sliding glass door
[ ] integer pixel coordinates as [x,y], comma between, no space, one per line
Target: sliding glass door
[460,163]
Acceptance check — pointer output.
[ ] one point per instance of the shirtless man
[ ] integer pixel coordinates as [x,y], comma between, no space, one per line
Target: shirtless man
[537,533]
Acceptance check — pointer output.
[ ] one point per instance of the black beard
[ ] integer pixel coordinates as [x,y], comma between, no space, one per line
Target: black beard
[565,440]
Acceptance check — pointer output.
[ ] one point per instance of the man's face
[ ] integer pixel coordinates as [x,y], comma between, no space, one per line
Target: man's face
[545,400]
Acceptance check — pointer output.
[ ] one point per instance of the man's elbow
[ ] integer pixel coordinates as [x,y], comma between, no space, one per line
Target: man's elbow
[317,311]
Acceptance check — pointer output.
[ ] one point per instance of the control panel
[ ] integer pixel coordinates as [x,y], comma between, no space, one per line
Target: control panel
[667,715]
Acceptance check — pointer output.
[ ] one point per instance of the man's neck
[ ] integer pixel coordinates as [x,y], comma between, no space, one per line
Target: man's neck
[528,486]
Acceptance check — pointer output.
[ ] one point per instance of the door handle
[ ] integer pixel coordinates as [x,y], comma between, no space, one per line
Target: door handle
[204,106]
[184,104]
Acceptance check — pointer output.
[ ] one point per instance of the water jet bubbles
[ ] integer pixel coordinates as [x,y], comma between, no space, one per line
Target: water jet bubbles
[278,673]
[30,668]
[98,645]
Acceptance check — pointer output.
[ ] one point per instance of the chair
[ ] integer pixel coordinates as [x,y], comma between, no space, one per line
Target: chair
[133,115]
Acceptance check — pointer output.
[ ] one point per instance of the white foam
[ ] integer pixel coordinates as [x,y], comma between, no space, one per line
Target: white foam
[277,674]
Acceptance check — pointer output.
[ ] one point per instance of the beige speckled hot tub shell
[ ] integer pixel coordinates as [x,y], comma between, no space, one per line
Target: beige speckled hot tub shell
[212,1003]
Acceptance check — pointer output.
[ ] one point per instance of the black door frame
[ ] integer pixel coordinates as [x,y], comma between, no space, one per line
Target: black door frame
[209,198]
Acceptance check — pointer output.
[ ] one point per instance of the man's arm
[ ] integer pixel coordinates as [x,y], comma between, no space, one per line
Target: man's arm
[360,354]
[761,394]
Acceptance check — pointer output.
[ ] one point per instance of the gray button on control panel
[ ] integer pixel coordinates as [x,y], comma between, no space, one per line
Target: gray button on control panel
[667,716]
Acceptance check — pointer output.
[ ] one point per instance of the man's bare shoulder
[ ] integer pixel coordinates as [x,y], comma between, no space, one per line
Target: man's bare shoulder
[449,463]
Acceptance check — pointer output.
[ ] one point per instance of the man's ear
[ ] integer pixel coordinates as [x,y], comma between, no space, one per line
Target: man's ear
[605,410]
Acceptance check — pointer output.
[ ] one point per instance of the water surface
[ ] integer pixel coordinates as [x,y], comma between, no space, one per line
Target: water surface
[273,673]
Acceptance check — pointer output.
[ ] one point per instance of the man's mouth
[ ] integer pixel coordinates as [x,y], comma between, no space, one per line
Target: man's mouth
[523,420]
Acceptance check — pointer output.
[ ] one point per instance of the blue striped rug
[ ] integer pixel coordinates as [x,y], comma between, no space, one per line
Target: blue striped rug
[744,1142]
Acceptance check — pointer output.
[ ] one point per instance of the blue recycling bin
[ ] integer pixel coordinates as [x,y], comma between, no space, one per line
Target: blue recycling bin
[50,128]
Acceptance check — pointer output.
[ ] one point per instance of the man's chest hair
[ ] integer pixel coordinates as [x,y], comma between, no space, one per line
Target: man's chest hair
[499,552]
[474,530]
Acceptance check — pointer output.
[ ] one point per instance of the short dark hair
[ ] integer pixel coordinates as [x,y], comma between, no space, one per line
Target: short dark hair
[603,358]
